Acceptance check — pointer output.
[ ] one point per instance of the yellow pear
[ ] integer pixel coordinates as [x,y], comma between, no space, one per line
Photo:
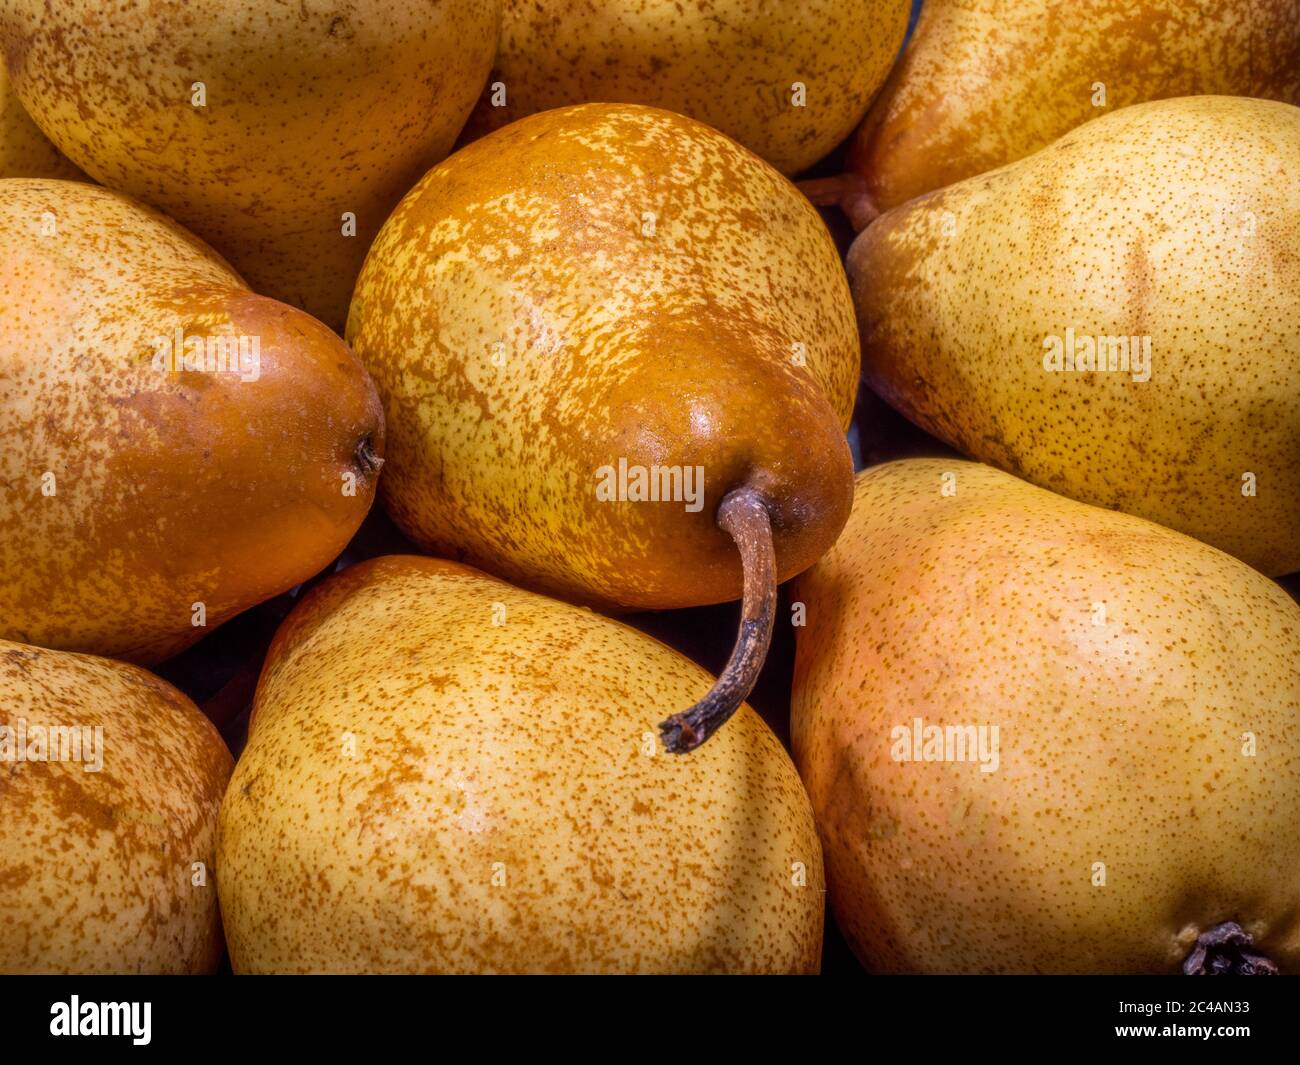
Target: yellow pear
[610,341]
[1116,318]
[24,150]
[1043,737]
[984,82]
[110,783]
[788,81]
[282,134]
[446,774]
[173,447]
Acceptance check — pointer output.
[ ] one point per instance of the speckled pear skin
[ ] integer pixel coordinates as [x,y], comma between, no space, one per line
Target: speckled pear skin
[984,82]
[98,868]
[1177,220]
[1122,662]
[24,150]
[732,64]
[129,493]
[446,774]
[597,283]
[312,110]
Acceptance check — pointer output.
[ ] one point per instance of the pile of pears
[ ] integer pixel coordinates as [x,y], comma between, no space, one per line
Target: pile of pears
[420,390]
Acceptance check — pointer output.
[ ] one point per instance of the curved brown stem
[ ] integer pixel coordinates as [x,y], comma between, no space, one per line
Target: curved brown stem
[848,191]
[743,514]
[1227,950]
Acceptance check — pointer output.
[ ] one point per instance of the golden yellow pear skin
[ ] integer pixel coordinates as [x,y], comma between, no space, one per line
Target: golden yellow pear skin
[1146,689]
[107,856]
[984,83]
[605,283]
[270,130]
[736,65]
[445,774]
[1173,222]
[24,149]
[142,506]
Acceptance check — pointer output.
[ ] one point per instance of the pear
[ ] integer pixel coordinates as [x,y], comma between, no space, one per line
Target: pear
[173,447]
[1044,737]
[1116,318]
[446,774]
[609,342]
[24,150]
[282,134]
[110,782]
[985,83]
[788,81]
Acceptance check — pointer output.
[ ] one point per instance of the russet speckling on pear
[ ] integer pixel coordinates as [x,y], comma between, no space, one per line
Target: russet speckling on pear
[24,149]
[282,134]
[786,80]
[112,780]
[477,787]
[1115,318]
[173,447]
[984,83]
[1119,772]
[602,287]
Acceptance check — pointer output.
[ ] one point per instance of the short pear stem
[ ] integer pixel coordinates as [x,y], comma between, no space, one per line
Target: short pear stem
[848,191]
[1227,950]
[744,516]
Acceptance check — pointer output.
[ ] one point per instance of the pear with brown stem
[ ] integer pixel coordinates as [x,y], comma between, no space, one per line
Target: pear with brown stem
[617,356]
[984,83]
